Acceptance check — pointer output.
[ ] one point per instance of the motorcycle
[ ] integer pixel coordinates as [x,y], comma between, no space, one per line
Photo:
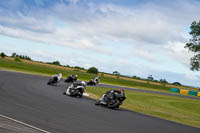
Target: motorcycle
[54,79]
[93,81]
[76,89]
[71,79]
[112,100]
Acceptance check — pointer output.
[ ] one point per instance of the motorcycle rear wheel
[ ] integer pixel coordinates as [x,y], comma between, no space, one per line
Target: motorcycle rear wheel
[113,105]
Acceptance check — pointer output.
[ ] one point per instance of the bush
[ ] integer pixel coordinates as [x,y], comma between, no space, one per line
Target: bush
[135,77]
[102,74]
[93,70]
[116,73]
[18,59]
[14,55]
[56,63]
[176,83]
[3,55]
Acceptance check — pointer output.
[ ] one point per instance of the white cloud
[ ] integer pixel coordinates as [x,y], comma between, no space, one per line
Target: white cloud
[176,51]
[191,77]
[143,53]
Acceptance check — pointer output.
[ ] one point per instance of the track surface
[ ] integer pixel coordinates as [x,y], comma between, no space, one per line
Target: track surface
[27,98]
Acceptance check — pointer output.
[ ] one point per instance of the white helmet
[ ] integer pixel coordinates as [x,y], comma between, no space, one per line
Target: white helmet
[83,82]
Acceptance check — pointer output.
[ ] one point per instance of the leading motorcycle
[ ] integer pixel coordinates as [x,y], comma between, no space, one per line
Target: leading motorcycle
[55,79]
[93,81]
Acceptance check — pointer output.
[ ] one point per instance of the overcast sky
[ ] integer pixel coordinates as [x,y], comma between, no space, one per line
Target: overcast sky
[134,37]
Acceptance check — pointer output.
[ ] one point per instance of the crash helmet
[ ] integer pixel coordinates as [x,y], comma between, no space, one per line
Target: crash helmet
[76,76]
[122,90]
[83,83]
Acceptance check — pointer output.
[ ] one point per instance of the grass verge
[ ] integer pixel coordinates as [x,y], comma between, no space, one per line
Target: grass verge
[182,110]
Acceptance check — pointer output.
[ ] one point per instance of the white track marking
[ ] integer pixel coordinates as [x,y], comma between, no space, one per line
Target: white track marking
[24,124]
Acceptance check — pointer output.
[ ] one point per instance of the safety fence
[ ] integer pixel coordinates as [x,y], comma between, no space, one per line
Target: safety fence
[185,92]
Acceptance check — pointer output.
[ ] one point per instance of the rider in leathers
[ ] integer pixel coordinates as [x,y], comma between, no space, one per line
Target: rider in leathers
[103,98]
[57,77]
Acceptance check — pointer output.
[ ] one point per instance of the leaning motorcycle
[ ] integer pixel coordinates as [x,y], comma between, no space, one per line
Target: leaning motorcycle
[52,80]
[71,79]
[93,81]
[112,100]
[75,89]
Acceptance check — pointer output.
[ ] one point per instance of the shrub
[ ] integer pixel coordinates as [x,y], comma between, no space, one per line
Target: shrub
[116,73]
[18,59]
[102,74]
[56,63]
[176,83]
[93,70]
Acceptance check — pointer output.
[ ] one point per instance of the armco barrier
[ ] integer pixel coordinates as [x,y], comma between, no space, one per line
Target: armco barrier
[184,91]
[194,93]
[175,90]
[198,94]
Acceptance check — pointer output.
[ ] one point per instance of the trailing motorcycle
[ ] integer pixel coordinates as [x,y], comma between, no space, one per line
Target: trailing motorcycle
[76,89]
[112,100]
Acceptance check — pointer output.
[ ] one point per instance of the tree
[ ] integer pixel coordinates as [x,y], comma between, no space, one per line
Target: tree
[136,77]
[93,70]
[3,55]
[116,73]
[163,81]
[14,55]
[56,63]
[194,45]
[176,83]
[17,58]
[150,77]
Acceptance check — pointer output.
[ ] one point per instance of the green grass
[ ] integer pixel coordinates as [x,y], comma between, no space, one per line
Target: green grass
[46,70]
[40,69]
[181,110]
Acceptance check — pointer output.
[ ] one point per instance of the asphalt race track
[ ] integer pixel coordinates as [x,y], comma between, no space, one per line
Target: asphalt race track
[27,98]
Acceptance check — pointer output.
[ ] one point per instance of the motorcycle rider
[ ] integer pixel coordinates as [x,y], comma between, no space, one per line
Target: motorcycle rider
[71,78]
[56,77]
[73,85]
[75,77]
[96,79]
[93,81]
[102,100]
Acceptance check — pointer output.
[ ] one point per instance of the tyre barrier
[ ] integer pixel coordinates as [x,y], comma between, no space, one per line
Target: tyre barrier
[175,90]
[193,93]
[185,92]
